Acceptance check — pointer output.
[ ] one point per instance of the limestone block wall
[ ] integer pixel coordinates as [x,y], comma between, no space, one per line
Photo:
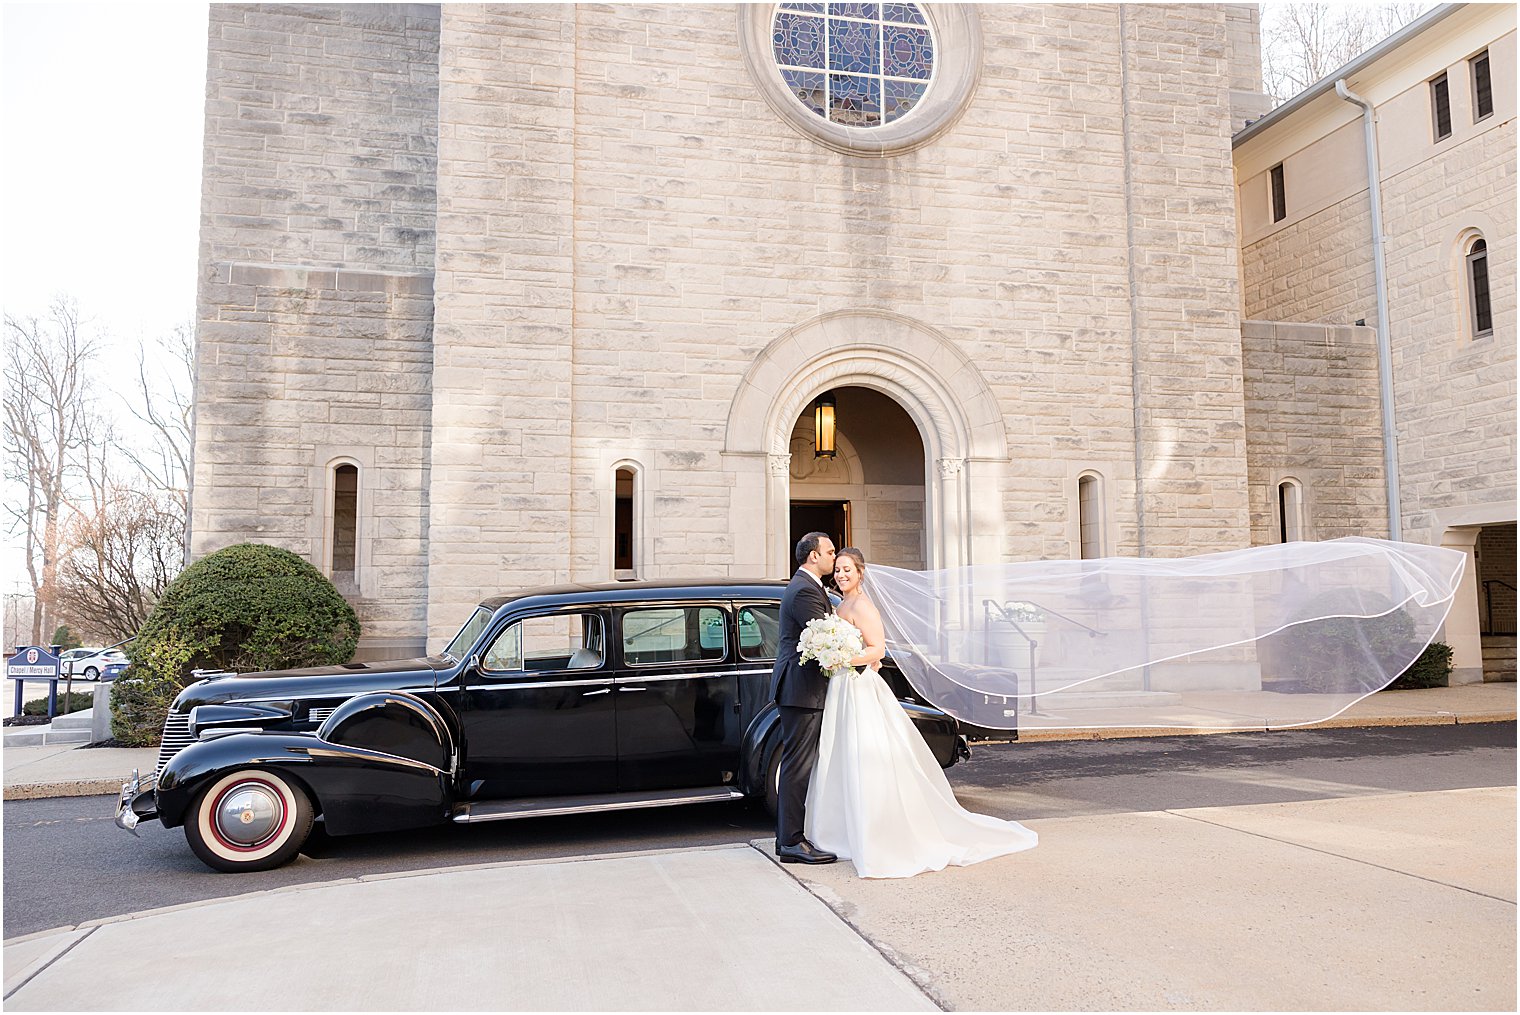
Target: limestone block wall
[503,349]
[705,228]
[1313,416]
[1316,268]
[314,308]
[1247,100]
[1455,396]
[1184,272]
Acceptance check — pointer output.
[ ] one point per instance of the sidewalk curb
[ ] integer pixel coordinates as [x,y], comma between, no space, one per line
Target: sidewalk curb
[112,787]
[1120,733]
[74,787]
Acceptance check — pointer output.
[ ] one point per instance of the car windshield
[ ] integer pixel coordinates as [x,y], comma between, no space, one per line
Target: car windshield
[468,633]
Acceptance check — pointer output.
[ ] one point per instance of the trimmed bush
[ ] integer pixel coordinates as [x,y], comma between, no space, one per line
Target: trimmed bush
[75,701]
[1432,669]
[246,608]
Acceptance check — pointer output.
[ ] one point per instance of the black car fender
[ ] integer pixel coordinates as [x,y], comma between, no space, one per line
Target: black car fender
[939,730]
[761,739]
[383,760]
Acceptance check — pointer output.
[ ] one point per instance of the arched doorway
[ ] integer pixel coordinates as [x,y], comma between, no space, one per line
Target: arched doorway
[956,416]
[870,494]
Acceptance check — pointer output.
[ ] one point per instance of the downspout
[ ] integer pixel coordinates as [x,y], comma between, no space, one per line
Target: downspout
[1384,347]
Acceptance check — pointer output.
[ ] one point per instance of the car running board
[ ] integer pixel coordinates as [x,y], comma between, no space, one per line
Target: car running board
[538,807]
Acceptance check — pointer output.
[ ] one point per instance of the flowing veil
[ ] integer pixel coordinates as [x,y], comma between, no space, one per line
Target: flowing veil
[1269,636]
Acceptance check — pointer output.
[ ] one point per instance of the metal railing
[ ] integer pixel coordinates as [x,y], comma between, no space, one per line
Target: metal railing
[1504,624]
[993,611]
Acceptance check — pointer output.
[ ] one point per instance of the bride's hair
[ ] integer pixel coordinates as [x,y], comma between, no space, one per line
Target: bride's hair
[855,555]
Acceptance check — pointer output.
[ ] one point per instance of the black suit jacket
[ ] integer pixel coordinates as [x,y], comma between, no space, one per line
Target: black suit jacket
[793,682]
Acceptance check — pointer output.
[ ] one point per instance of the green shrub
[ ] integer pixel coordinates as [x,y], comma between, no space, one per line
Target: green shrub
[75,701]
[1337,654]
[245,608]
[1431,669]
[143,694]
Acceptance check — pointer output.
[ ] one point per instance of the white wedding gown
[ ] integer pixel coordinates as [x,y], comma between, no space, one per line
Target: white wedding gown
[878,797]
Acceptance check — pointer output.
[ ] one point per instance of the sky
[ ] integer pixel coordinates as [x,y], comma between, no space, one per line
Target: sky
[100,122]
[101,109]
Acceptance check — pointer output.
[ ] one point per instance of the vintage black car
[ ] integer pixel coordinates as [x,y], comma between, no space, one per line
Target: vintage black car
[553,701]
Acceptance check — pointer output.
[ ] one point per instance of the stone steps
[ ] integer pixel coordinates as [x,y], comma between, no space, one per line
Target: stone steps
[47,735]
[1498,657]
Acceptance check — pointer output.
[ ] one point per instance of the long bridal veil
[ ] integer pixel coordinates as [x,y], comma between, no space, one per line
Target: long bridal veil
[1270,636]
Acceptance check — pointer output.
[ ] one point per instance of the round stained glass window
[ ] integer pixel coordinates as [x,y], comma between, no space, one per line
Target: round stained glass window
[856,65]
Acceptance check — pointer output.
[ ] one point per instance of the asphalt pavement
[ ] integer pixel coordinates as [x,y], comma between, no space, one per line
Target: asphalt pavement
[1369,868]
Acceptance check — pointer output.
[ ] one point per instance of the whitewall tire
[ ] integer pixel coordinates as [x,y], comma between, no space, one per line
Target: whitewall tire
[249,820]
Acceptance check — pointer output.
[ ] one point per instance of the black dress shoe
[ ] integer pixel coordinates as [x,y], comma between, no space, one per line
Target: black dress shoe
[804,852]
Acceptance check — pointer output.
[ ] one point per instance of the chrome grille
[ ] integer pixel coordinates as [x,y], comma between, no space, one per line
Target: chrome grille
[176,738]
[317,715]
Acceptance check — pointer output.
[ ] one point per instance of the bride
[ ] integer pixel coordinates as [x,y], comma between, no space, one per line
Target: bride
[877,796]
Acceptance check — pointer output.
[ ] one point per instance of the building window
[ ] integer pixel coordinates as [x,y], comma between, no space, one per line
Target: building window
[1290,512]
[1089,517]
[855,64]
[622,524]
[1440,102]
[1477,289]
[1279,194]
[345,515]
[1483,87]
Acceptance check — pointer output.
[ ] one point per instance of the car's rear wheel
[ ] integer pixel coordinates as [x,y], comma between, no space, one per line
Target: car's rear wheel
[249,820]
[90,673]
[773,780]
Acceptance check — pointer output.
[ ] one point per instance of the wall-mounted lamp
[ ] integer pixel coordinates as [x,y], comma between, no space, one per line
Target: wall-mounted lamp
[823,426]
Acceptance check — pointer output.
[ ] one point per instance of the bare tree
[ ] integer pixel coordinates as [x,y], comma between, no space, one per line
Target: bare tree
[50,427]
[166,409]
[120,559]
[1302,43]
[128,543]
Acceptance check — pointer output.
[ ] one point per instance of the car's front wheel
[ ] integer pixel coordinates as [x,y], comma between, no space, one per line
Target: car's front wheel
[249,820]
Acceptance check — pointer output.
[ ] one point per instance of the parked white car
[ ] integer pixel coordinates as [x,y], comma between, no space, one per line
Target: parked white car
[89,663]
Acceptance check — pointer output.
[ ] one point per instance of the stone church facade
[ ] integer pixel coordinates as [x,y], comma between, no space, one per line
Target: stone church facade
[501,296]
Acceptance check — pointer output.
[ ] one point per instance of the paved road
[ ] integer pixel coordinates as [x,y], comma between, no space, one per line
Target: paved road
[65,862]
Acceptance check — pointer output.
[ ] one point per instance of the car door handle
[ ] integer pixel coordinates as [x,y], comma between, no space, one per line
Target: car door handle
[627,689]
[593,694]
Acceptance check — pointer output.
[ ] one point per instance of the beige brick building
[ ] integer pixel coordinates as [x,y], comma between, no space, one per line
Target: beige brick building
[1443,92]
[494,296]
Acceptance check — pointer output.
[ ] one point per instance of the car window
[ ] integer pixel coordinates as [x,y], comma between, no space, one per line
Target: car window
[674,635]
[759,632]
[562,641]
[468,633]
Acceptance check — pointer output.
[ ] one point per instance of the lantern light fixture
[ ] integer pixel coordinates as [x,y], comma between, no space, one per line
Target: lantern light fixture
[823,426]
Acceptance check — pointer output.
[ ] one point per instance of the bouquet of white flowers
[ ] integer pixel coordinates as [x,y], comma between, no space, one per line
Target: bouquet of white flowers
[832,642]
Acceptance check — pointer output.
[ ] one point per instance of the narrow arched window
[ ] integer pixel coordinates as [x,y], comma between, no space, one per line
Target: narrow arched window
[1290,512]
[345,521]
[622,524]
[1089,520]
[1479,308]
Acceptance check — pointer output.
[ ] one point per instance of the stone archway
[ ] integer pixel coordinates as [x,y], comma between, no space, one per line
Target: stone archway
[942,391]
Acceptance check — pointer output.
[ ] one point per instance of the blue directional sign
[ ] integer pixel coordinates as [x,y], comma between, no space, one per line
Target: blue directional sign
[32,662]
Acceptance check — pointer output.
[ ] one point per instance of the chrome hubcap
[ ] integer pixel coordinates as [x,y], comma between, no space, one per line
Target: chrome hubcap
[249,813]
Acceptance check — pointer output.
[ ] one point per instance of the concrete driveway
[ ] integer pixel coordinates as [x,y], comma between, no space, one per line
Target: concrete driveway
[1382,902]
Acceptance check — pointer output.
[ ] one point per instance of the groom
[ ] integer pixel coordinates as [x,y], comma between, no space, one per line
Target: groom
[799,689]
